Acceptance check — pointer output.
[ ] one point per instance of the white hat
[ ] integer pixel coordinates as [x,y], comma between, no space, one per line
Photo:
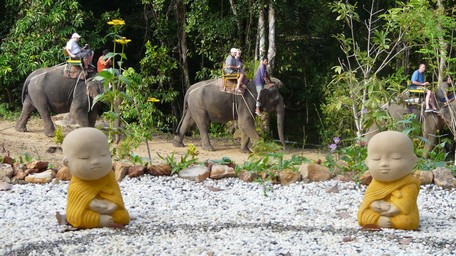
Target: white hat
[233,50]
[75,35]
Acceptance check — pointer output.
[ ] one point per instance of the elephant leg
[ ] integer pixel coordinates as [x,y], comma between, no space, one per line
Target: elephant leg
[248,133]
[187,122]
[203,126]
[430,126]
[27,109]
[82,117]
[49,127]
[93,114]
[245,143]
[204,133]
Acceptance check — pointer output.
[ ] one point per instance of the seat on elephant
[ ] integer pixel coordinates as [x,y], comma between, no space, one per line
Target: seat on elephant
[69,60]
[415,95]
[73,67]
[229,81]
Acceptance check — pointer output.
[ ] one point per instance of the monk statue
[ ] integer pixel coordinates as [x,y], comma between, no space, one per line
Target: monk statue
[94,198]
[390,199]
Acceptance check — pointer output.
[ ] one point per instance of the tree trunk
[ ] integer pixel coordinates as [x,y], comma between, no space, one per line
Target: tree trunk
[238,22]
[272,45]
[182,40]
[262,35]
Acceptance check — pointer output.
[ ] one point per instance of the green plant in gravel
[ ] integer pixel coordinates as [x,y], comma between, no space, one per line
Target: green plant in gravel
[268,164]
[190,158]
[58,135]
[260,147]
[25,158]
[353,156]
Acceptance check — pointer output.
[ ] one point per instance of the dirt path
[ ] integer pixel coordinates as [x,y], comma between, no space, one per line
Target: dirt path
[35,144]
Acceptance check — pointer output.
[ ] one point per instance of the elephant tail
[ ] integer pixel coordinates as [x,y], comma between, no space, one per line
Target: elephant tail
[25,89]
[184,111]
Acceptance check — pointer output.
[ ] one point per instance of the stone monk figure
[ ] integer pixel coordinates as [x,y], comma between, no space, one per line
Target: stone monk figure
[390,199]
[94,198]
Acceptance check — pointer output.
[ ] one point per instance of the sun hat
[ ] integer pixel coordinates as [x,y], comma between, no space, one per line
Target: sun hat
[75,35]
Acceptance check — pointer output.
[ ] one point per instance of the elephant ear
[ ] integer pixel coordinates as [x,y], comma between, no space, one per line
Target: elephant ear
[93,88]
[277,82]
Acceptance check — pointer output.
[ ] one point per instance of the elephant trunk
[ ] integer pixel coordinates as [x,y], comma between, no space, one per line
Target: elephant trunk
[280,120]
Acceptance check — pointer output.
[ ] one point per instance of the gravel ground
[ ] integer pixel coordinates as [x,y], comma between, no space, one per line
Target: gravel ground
[173,216]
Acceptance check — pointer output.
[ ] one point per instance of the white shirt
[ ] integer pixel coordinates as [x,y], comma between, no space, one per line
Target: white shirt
[73,47]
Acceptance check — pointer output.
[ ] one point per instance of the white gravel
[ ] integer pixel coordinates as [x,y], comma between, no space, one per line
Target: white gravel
[173,216]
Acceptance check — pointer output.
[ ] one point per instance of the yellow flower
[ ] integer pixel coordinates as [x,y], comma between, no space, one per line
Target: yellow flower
[153,100]
[116,22]
[124,40]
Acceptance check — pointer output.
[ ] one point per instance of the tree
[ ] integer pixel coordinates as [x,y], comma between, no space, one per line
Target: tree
[366,55]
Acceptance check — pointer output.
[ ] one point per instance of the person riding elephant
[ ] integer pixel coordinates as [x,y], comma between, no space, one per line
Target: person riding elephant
[205,103]
[76,52]
[47,90]
[234,64]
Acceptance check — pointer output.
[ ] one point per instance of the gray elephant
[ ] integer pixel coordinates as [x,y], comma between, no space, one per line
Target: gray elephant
[204,102]
[49,91]
[433,123]
[395,110]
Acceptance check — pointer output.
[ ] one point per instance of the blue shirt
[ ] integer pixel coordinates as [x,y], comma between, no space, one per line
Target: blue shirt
[230,61]
[417,77]
[261,73]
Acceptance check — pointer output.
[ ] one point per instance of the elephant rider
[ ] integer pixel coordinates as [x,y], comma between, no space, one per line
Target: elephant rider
[443,89]
[418,82]
[261,78]
[232,65]
[76,52]
[103,63]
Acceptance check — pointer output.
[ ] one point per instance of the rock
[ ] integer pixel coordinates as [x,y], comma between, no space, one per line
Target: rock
[366,178]
[120,170]
[444,178]
[20,175]
[33,171]
[6,170]
[8,160]
[136,171]
[196,173]
[40,165]
[339,167]
[5,186]
[344,177]
[219,171]
[159,170]
[425,177]
[64,174]
[314,172]
[271,175]
[288,176]
[247,176]
[42,177]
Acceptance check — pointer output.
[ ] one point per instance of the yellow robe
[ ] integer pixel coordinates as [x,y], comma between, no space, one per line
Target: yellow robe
[82,192]
[402,193]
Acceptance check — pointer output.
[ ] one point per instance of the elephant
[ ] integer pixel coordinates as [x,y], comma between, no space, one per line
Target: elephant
[431,123]
[48,90]
[397,111]
[204,102]
[436,122]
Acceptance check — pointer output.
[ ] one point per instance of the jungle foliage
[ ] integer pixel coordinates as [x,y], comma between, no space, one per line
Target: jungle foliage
[329,54]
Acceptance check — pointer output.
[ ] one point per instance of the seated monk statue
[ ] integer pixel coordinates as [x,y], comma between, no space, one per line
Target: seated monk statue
[94,198]
[390,199]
